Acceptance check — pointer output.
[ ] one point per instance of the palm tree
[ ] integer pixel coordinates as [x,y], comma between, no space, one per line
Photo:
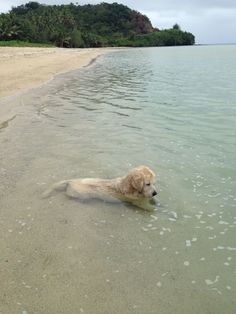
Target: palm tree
[176,26]
[8,27]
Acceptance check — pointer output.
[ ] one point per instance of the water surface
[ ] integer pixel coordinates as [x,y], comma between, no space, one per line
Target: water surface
[173,109]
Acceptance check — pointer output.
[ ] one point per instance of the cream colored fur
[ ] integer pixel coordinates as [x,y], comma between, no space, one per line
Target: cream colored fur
[137,187]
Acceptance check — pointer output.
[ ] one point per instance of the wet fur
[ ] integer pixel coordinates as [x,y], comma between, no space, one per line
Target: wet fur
[137,187]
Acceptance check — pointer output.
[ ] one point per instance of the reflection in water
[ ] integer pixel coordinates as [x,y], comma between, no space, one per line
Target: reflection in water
[144,106]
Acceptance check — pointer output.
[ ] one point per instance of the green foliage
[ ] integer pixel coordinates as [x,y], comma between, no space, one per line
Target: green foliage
[76,39]
[168,37]
[9,28]
[20,43]
[176,26]
[86,26]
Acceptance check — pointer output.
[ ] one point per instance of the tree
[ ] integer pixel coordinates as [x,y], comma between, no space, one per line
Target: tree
[87,26]
[176,26]
[76,39]
[8,27]
[32,5]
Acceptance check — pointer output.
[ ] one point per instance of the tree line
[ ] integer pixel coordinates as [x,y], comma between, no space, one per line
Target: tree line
[75,26]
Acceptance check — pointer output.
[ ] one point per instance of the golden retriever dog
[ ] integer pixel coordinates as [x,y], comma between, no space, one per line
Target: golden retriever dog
[137,187]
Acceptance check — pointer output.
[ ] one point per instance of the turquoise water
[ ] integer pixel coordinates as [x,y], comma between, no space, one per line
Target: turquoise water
[173,109]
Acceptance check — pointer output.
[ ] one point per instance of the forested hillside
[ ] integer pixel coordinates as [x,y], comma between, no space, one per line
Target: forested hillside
[86,26]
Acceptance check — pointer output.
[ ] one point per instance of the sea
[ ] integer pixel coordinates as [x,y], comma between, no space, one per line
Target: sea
[170,108]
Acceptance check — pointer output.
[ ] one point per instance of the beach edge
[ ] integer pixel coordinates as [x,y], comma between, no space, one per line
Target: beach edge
[21,64]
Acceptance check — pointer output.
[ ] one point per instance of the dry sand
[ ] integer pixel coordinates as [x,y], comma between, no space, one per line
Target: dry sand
[25,68]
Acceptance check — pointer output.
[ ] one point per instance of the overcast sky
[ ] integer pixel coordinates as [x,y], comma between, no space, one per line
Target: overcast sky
[211,21]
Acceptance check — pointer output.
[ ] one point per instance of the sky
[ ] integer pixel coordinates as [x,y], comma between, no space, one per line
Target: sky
[211,21]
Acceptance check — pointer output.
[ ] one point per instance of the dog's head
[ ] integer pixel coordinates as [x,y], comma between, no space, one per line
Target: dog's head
[140,181]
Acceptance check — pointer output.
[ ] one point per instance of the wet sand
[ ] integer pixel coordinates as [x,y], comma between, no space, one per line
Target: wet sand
[61,255]
[25,68]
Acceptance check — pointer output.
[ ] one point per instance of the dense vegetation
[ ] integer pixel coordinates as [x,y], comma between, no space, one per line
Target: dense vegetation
[86,26]
[21,43]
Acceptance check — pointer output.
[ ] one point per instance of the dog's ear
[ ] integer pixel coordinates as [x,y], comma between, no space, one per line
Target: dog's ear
[137,180]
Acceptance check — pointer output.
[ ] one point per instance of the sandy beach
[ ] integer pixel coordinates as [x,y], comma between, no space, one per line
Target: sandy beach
[23,68]
[68,256]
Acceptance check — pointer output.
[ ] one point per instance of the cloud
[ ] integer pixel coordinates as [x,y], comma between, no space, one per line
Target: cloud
[209,23]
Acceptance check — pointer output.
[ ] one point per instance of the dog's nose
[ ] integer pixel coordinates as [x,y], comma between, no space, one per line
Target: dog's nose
[154,193]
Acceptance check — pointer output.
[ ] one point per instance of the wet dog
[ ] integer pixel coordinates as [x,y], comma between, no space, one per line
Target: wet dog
[137,187]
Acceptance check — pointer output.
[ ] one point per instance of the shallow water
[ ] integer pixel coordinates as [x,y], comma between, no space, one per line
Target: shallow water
[170,108]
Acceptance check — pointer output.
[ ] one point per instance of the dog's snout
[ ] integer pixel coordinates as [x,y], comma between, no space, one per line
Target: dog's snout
[154,193]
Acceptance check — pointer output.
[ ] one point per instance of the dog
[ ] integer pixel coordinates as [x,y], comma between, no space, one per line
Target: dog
[137,187]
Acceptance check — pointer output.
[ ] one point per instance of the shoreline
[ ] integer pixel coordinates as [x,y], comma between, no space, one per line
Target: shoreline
[23,69]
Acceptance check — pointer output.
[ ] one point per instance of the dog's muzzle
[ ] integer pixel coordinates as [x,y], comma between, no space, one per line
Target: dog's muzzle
[154,193]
